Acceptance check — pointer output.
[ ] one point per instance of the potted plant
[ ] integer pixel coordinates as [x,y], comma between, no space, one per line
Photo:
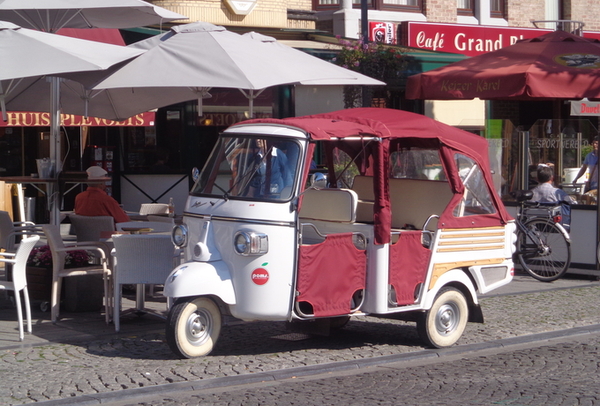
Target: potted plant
[39,273]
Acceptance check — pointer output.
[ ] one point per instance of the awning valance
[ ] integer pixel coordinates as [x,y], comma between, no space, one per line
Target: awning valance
[38,119]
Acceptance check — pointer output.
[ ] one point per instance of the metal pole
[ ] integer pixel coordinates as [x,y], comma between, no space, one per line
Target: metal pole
[55,150]
[524,159]
[364,20]
[364,24]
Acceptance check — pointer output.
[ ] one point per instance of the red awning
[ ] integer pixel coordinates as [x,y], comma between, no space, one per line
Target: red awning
[106,35]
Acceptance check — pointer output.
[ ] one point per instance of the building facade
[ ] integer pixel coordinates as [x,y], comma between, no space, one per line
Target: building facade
[342,17]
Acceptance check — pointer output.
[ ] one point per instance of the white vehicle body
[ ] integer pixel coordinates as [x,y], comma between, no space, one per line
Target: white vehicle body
[258,248]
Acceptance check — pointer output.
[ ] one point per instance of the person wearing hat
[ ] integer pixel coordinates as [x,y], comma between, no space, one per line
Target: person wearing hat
[590,161]
[95,202]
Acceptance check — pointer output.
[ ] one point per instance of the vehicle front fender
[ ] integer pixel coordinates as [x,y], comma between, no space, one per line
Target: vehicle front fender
[200,279]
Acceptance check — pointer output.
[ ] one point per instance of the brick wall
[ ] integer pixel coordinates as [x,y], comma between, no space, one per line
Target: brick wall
[267,13]
[584,10]
[440,10]
[520,13]
[274,13]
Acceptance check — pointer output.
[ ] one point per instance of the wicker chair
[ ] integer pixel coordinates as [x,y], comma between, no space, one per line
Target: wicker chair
[59,252]
[141,259]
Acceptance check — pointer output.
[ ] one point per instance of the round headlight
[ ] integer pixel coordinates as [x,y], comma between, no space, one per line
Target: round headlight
[179,235]
[241,243]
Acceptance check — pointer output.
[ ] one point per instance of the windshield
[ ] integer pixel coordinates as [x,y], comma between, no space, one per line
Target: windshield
[250,167]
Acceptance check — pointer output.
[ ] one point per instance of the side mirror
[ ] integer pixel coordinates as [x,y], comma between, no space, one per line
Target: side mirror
[195,174]
[318,180]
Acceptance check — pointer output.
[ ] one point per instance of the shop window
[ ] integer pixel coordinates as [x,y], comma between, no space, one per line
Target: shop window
[401,3]
[477,199]
[497,8]
[156,149]
[465,7]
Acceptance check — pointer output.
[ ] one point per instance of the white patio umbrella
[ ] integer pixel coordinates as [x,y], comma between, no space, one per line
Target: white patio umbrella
[52,15]
[183,65]
[190,59]
[298,58]
[27,55]
[75,98]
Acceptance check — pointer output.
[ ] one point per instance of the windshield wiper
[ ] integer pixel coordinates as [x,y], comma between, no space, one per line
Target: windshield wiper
[225,192]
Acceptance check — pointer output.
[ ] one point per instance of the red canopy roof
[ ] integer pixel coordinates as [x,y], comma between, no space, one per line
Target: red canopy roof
[557,65]
[404,129]
[418,130]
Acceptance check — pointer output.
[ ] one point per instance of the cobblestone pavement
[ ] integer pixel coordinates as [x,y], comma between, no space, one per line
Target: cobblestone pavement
[119,361]
[563,373]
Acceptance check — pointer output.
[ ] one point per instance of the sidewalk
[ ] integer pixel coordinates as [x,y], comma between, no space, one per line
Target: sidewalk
[75,327]
[81,355]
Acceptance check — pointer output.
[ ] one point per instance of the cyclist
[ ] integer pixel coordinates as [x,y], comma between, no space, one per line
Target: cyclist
[545,192]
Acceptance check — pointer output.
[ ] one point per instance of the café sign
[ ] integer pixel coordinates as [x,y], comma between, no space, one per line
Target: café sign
[37,119]
[382,32]
[585,108]
[469,40]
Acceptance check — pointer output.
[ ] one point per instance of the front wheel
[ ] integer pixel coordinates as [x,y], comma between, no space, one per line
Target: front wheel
[443,324]
[544,251]
[193,327]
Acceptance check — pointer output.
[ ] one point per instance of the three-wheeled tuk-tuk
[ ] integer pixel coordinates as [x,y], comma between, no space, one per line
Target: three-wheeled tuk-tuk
[404,223]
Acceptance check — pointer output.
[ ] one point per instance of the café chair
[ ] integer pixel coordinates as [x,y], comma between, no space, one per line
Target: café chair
[141,259]
[154,208]
[90,228]
[19,279]
[59,251]
[10,229]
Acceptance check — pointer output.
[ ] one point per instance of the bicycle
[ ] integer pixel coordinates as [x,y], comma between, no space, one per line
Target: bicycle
[543,246]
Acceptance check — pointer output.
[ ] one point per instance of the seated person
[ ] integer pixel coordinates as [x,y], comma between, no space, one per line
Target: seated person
[95,202]
[545,192]
[279,173]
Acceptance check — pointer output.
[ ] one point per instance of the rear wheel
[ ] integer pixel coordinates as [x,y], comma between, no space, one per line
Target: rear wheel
[544,252]
[443,324]
[193,327]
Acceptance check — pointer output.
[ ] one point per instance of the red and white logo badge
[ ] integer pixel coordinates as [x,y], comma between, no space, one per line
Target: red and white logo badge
[260,276]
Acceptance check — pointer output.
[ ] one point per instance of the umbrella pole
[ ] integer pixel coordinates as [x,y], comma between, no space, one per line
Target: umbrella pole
[251,95]
[55,148]
[2,104]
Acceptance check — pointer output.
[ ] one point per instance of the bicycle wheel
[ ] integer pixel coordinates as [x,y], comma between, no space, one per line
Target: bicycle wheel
[544,252]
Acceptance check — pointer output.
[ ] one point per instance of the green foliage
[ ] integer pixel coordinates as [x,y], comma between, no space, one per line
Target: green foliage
[376,60]
[586,149]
